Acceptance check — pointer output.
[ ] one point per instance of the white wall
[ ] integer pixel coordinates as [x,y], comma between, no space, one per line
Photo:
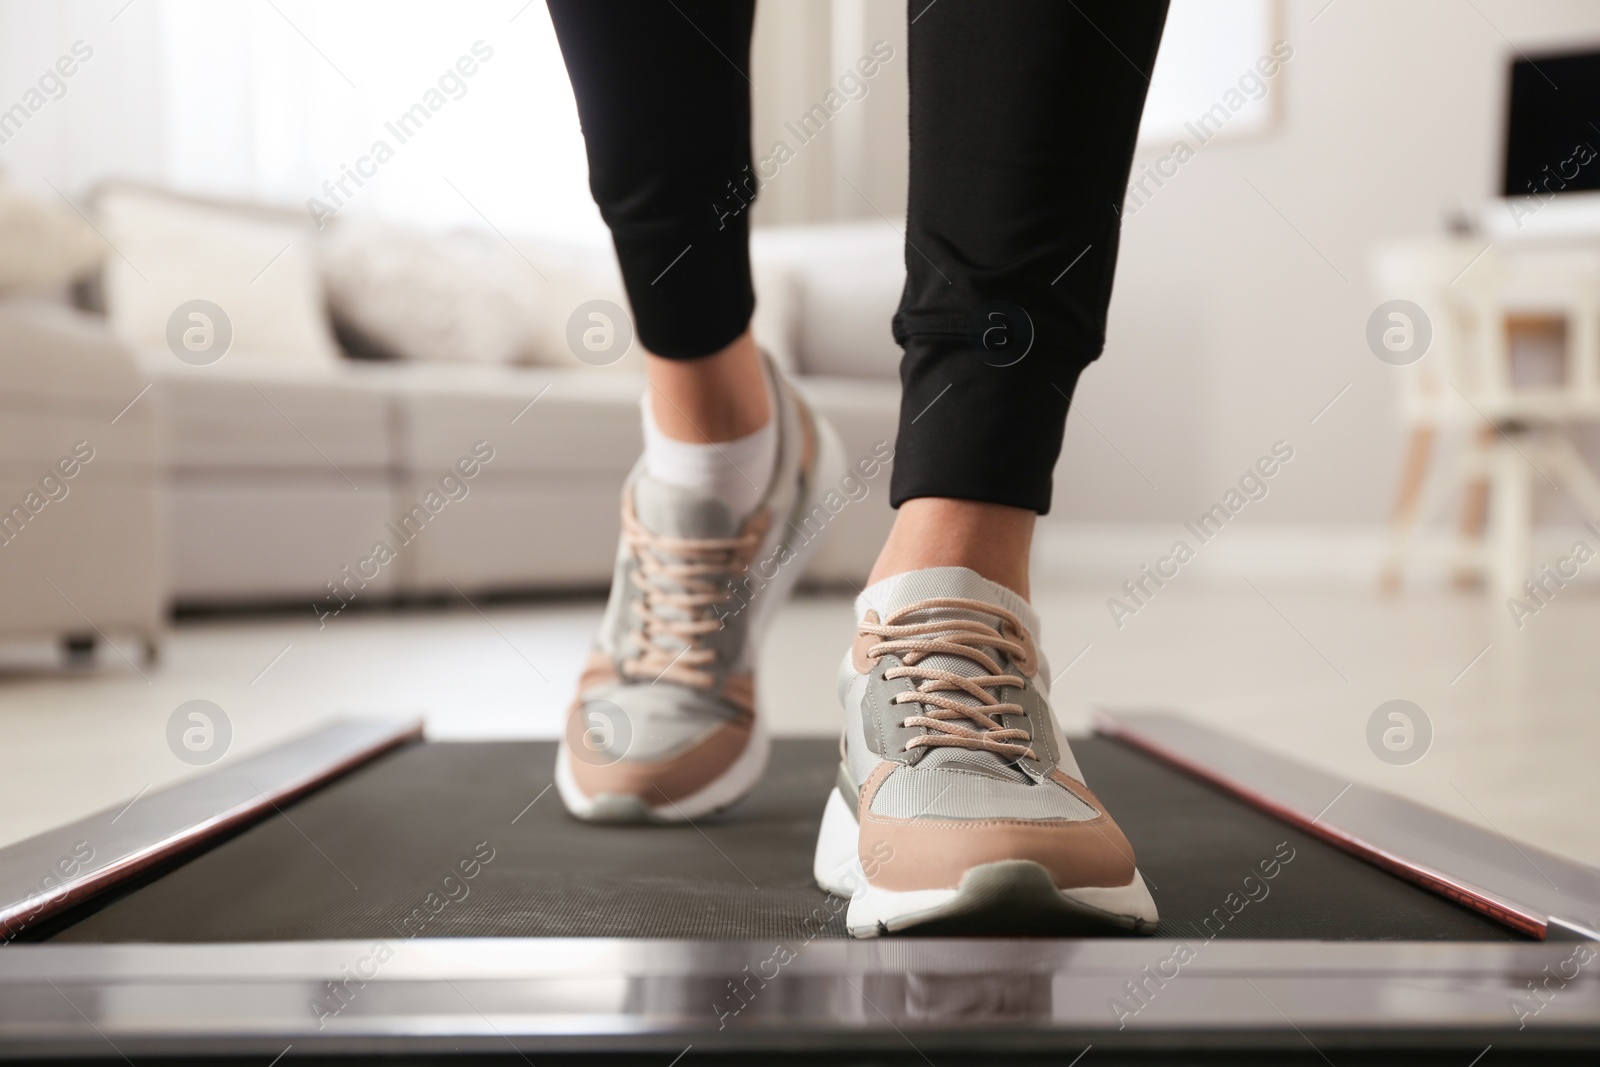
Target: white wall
[1229,330]
[104,118]
[270,101]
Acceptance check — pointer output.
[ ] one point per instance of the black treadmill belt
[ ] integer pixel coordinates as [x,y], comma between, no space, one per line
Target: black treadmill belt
[385,853]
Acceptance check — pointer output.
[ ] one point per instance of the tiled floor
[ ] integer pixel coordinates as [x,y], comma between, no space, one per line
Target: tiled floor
[1514,713]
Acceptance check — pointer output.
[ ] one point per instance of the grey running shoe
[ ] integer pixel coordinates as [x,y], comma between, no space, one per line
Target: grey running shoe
[664,727]
[959,807]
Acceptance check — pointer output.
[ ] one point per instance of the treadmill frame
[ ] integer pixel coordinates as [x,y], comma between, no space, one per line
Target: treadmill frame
[905,995]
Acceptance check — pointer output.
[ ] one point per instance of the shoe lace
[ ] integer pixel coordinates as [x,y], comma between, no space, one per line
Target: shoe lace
[954,723]
[681,579]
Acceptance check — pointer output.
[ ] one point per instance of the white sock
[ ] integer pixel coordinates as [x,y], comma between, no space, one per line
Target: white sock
[736,472]
[898,590]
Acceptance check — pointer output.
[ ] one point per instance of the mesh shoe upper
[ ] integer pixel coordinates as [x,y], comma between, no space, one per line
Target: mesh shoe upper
[953,747]
[670,678]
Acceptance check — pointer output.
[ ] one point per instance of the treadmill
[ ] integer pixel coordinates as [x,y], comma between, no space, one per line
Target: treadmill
[362,892]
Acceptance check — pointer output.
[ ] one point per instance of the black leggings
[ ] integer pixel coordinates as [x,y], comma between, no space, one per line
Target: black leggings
[1023,120]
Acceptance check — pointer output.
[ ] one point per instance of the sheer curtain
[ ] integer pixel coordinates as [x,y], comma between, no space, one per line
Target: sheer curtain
[280,100]
[1209,55]
[435,113]
[270,99]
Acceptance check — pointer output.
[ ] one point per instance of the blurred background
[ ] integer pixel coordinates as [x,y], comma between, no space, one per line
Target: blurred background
[270,271]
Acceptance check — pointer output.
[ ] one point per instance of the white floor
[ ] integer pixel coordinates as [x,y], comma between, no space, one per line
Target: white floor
[1514,713]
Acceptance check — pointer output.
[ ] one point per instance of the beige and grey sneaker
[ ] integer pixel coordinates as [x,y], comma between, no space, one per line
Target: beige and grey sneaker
[664,727]
[959,807]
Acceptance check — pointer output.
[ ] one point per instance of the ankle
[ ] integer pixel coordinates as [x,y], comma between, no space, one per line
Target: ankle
[708,425]
[716,398]
[992,539]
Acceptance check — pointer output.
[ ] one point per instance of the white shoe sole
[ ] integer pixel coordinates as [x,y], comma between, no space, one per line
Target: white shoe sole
[743,774]
[1008,898]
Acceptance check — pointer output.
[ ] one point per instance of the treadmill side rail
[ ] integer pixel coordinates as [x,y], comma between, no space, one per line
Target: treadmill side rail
[114,845]
[1530,890]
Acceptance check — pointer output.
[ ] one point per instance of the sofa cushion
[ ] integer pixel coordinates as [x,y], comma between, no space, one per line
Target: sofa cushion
[575,274]
[463,296]
[865,414]
[537,419]
[229,416]
[516,532]
[64,379]
[55,351]
[42,244]
[847,280]
[260,271]
[258,537]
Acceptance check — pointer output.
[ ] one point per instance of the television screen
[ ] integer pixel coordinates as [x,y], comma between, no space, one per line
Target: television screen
[1553,125]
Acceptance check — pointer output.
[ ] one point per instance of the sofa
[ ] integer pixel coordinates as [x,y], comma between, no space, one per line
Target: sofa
[367,367]
[83,554]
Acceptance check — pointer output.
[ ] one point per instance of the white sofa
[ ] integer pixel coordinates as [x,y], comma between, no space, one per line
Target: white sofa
[285,473]
[82,550]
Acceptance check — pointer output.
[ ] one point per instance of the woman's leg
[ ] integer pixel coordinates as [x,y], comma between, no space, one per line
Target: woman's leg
[1023,121]
[664,100]
[969,812]
[665,725]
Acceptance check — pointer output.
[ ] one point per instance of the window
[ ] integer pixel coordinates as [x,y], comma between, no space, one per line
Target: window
[1208,62]
[426,112]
